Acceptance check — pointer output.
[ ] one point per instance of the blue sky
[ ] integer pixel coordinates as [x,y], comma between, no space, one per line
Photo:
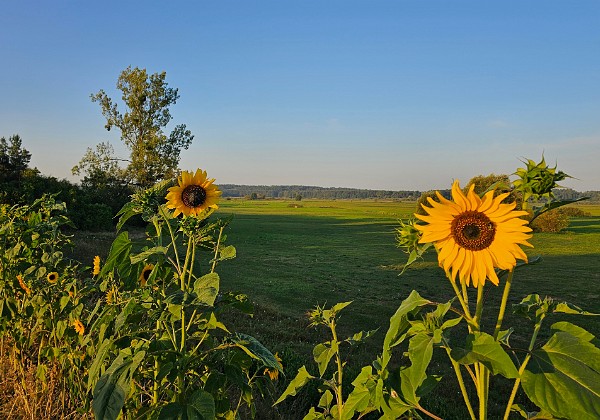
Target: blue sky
[371,94]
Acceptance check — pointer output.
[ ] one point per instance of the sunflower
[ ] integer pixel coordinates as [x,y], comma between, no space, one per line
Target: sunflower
[52,277]
[96,266]
[274,373]
[145,274]
[473,235]
[194,194]
[23,284]
[79,328]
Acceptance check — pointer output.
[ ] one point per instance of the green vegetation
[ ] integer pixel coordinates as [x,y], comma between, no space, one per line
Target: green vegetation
[292,256]
[154,156]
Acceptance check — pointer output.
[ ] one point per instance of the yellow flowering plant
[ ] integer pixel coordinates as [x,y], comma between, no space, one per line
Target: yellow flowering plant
[160,349]
[478,239]
[40,298]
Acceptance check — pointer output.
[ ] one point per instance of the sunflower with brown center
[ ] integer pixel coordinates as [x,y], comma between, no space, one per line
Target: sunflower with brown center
[474,235]
[194,194]
[145,274]
[52,277]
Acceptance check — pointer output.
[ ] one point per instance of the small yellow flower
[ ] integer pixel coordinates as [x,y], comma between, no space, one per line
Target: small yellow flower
[23,284]
[194,194]
[145,274]
[52,277]
[79,328]
[110,296]
[96,265]
[274,373]
[473,235]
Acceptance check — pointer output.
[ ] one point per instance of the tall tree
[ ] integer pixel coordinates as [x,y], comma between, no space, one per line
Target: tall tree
[99,166]
[147,98]
[14,159]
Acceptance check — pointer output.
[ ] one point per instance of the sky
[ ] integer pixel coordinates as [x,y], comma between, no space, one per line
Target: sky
[378,94]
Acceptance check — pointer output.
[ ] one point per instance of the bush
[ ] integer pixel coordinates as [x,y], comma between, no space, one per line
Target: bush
[573,212]
[552,221]
[92,216]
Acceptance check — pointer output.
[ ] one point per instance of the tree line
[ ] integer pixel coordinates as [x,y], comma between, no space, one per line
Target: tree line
[107,180]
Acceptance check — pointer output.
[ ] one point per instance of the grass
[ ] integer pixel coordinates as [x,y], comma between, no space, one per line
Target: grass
[293,255]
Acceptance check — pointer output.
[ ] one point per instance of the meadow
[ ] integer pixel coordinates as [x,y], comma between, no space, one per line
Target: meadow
[293,255]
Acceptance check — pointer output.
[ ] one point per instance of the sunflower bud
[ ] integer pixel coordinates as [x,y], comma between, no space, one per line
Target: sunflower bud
[538,180]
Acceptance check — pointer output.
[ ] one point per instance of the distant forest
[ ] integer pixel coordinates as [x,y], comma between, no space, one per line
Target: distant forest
[333,193]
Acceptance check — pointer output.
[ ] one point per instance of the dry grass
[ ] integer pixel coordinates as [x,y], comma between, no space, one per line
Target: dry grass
[24,397]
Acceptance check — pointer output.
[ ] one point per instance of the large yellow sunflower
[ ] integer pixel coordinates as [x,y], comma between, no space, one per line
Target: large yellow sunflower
[194,194]
[473,235]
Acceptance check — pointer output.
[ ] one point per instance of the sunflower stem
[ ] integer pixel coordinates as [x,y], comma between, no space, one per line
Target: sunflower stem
[164,215]
[214,264]
[185,265]
[479,308]
[461,382]
[467,313]
[465,293]
[505,294]
[513,393]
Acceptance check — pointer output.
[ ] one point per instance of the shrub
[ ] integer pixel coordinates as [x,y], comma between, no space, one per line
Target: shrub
[552,221]
[574,212]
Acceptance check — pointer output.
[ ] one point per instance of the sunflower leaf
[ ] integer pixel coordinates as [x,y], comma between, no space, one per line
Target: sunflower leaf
[481,347]
[563,377]
[399,324]
[145,254]
[296,384]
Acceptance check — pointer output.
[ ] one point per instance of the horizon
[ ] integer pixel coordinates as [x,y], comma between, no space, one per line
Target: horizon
[344,94]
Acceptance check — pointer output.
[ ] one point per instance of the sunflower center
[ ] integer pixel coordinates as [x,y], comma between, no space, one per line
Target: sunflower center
[193,196]
[473,230]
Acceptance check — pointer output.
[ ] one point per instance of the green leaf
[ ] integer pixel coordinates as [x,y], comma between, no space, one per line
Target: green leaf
[326,400]
[109,396]
[572,329]
[118,254]
[101,354]
[563,377]
[227,253]
[127,211]
[322,353]
[569,308]
[399,324]
[531,415]
[504,336]
[112,387]
[207,288]
[64,301]
[553,205]
[339,306]
[362,396]
[145,254]
[420,350]
[201,406]
[359,337]
[122,317]
[296,384]
[357,401]
[256,350]
[481,347]
[171,411]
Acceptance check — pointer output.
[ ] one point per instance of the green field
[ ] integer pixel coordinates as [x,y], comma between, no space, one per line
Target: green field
[293,255]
